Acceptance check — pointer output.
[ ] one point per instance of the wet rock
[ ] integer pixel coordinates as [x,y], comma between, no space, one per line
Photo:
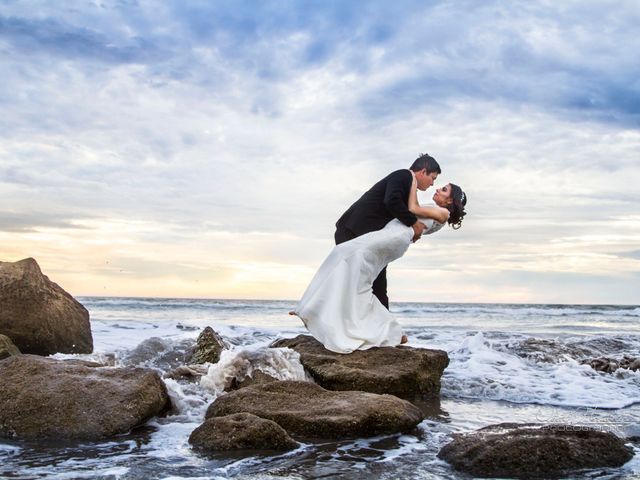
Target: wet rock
[542,350]
[208,347]
[257,377]
[240,431]
[402,371]
[38,315]
[533,450]
[159,353]
[191,372]
[7,348]
[47,398]
[610,365]
[308,410]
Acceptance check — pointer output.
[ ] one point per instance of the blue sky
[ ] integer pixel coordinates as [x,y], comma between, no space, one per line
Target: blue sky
[205,149]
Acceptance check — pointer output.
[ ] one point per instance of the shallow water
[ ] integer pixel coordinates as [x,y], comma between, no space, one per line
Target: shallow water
[515,363]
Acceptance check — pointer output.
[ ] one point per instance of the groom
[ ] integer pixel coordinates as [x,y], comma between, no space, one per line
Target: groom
[383,202]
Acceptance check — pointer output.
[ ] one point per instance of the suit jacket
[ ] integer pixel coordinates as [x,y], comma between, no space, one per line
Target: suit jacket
[385,201]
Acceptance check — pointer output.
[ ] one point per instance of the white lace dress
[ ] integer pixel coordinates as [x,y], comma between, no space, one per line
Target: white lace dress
[339,307]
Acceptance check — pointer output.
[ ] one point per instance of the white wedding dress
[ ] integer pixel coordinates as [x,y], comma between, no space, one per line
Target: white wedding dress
[339,307]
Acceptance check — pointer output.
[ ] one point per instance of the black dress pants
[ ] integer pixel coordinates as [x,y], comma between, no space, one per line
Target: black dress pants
[380,283]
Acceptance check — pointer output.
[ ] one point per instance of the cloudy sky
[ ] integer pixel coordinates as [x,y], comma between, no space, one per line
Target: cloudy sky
[206,148]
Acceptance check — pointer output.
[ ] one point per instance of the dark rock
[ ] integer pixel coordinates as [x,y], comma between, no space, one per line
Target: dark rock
[7,348]
[240,431]
[534,451]
[257,377]
[308,410]
[47,398]
[542,350]
[156,352]
[38,315]
[208,347]
[610,365]
[190,372]
[402,371]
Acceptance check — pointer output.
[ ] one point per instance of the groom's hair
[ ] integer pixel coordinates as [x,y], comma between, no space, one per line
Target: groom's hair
[426,161]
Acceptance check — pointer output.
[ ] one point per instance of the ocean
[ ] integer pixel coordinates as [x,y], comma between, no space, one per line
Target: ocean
[508,363]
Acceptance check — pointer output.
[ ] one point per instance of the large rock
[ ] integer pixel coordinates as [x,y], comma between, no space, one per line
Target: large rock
[240,431]
[156,352]
[533,451]
[208,347]
[308,410]
[610,365]
[7,348]
[38,315]
[401,371]
[43,397]
[257,377]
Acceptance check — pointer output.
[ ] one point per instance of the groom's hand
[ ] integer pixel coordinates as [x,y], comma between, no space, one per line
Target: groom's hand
[418,228]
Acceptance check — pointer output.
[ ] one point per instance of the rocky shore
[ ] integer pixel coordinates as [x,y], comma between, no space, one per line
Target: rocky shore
[363,394]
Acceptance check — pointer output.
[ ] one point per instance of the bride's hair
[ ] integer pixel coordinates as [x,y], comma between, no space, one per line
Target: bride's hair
[456,209]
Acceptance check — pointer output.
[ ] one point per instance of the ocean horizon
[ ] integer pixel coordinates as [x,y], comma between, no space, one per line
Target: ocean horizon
[252,299]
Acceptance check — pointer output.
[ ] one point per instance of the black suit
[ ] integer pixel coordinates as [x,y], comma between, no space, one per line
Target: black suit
[385,201]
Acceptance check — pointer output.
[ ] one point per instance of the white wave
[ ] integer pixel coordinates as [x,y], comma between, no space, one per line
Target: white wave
[190,401]
[280,363]
[511,310]
[9,449]
[477,370]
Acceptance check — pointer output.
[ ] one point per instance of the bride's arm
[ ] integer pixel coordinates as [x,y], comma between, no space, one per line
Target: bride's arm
[438,214]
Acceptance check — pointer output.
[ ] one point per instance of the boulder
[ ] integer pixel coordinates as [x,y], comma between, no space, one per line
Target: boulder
[7,348]
[255,378]
[47,398]
[189,372]
[240,431]
[208,347]
[38,315]
[610,365]
[156,352]
[402,371]
[533,451]
[308,410]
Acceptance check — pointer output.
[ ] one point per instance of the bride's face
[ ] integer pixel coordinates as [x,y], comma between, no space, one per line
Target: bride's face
[442,197]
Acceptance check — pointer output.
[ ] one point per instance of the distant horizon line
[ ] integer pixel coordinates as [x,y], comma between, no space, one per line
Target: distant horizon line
[392,302]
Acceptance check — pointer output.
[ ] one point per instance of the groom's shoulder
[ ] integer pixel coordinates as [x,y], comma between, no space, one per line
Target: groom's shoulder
[401,174]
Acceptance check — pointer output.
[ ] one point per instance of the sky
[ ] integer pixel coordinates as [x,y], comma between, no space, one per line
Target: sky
[205,149]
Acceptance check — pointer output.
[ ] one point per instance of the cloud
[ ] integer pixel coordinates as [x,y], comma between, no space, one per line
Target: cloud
[631,254]
[52,37]
[261,122]
[32,221]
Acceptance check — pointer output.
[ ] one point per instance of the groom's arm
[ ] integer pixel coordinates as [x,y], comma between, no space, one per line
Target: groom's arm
[396,196]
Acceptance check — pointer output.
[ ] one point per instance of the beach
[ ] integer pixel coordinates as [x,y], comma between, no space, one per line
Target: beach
[508,363]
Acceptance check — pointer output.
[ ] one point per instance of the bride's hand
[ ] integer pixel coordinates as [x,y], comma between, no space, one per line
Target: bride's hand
[414,184]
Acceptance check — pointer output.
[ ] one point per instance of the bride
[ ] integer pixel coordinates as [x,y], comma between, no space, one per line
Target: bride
[339,308]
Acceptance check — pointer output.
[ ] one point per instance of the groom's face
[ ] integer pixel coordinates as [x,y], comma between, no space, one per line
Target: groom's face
[425,180]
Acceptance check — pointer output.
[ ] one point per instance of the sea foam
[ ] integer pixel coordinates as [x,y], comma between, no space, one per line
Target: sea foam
[479,370]
[280,363]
